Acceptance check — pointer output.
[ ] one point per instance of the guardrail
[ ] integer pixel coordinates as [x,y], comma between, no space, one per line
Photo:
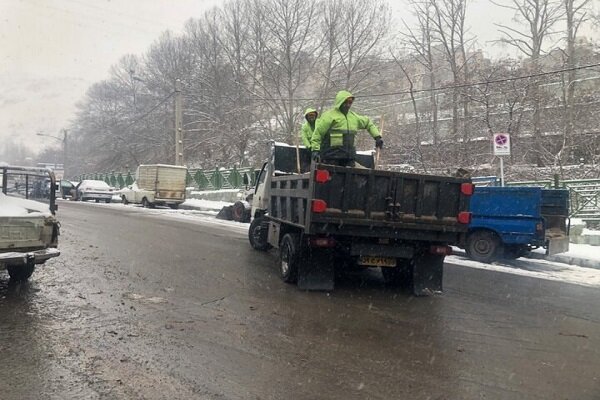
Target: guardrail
[216,179]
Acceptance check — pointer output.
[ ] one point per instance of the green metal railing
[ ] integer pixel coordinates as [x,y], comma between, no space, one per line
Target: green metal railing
[215,179]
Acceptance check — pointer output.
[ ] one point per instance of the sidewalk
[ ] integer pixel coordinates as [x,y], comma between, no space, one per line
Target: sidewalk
[582,255]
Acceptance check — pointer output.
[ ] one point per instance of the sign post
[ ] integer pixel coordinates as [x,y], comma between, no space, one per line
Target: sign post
[501,144]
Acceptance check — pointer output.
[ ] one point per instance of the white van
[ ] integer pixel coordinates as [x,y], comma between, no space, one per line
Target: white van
[157,184]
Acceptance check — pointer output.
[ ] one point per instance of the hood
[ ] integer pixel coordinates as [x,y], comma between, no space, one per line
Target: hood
[340,97]
[309,110]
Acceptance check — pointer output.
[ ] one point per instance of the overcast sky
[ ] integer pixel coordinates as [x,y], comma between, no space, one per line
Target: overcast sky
[53,50]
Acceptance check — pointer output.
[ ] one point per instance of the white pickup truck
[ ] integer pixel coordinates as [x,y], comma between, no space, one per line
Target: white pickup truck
[28,227]
[156,184]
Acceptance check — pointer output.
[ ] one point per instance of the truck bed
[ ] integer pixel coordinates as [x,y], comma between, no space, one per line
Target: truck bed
[372,203]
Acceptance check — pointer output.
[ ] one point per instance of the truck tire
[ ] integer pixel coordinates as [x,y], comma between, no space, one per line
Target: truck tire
[146,203]
[257,234]
[174,206]
[240,211]
[290,255]
[124,200]
[483,246]
[514,251]
[401,275]
[21,273]
[107,201]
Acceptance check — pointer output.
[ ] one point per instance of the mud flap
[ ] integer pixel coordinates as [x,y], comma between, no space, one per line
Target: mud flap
[428,271]
[316,271]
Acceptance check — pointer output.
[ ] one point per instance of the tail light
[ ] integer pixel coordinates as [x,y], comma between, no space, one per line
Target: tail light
[464,217]
[467,189]
[441,250]
[319,206]
[322,176]
[321,242]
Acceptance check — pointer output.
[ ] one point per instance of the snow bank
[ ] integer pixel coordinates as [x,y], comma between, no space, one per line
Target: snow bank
[206,204]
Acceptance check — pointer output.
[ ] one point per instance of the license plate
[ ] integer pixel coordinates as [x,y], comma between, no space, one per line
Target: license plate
[377,261]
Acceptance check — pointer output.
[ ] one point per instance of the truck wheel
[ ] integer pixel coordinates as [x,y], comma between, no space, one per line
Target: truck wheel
[124,200]
[399,275]
[240,211]
[21,273]
[146,203]
[289,257]
[107,201]
[483,246]
[174,206]
[97,201]
[257,234]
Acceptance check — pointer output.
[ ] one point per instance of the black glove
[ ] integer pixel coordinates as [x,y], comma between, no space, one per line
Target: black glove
[379,142]
[316,156]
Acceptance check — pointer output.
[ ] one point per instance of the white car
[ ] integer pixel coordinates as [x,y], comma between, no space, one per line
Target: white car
[94,190]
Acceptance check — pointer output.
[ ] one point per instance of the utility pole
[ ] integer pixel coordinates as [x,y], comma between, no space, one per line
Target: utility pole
[178,123]
[65,153]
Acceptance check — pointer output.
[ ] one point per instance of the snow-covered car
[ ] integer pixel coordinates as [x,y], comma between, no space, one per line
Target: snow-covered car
[94,190]
[28,229]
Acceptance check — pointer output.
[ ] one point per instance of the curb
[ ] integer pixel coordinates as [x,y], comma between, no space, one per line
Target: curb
[562,258]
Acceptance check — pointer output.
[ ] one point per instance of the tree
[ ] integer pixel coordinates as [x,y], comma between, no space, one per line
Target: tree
[420,41]
[448,21]
[539,18]
[575,13]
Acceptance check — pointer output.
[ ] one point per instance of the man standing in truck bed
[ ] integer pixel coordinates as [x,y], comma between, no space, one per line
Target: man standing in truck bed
[310,115]
[333,138]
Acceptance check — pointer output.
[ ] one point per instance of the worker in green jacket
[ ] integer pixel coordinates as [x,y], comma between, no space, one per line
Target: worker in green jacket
[333,138]
[309,126]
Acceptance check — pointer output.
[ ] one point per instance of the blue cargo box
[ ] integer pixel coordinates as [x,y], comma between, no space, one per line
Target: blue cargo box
[510,221]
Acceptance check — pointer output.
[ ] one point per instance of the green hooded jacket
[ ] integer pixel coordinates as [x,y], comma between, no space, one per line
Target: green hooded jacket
[336,130]
[307,129]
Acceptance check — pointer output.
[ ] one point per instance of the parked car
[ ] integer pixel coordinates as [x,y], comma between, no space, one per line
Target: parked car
[93,190]
[28,229]
[66,188]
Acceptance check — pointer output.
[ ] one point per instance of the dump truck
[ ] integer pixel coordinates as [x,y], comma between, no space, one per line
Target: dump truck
[156,184]
[29,229]
[509,222]
[321,217]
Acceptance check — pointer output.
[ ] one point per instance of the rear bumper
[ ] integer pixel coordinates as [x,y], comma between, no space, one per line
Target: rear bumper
[94,196]
[21,258]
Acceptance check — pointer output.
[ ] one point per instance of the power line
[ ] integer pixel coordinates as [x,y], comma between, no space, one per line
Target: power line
[437,89]
[514,78]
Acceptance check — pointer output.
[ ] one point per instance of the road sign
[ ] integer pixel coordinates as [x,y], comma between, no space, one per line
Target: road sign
[501,144]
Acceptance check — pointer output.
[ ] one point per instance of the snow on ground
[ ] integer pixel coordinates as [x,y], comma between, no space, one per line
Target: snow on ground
[206,204]
[204,216]
[579,251]
[540,269]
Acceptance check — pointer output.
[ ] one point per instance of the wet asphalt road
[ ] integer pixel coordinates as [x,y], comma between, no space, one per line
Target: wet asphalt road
[141,306]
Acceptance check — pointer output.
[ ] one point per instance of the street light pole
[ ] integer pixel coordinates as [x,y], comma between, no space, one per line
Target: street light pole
[178,124]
